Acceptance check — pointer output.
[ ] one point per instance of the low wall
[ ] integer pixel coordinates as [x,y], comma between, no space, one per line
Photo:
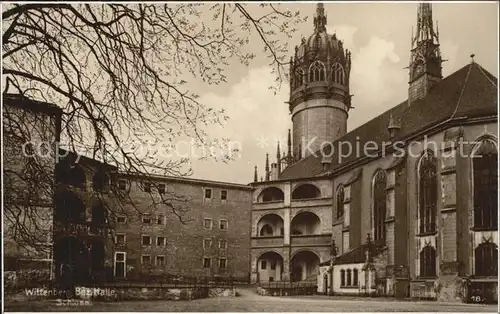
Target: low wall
[286,291]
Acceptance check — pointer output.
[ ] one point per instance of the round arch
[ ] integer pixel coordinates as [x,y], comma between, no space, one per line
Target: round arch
[306,191]
[271,194]
[304,265]
[269,266]
[305,222]
[273,221]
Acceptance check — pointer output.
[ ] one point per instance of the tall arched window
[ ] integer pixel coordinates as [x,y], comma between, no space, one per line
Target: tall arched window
[427,192]
[340,201]
[299,77]
[337,74]
[342,278]
[349,282]
[486,259]
[355,277]
[485,174]
[379,205]
[317,71]
[428,262]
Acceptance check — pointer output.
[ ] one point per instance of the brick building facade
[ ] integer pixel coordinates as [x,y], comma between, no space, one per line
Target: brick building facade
[422,195]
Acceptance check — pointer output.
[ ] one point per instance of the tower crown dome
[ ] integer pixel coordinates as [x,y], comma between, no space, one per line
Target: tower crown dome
[320,58]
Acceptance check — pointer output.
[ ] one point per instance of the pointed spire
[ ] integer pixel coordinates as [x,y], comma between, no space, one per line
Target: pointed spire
[425,28]
[255,177]
[268,173]
[289,143]
[320,18]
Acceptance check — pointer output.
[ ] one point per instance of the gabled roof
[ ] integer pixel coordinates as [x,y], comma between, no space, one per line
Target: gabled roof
[356,255]
[469,92]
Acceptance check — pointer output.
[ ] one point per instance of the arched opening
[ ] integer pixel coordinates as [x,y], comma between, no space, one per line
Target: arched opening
[271,194]
[379,205]
[427,173]
[270,267]
[486,259]
[98,214]
[428,262]
[337,75]
[305,223]
[305,265]
[71,261]
[270,225]
[69,208]
[70,174]
[317,71]
[485,182]
[100,181]
[306,191]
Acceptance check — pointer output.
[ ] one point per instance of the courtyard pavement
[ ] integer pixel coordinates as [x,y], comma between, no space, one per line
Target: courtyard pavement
[249,301]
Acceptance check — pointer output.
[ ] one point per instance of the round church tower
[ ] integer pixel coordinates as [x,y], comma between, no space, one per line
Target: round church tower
[319,89]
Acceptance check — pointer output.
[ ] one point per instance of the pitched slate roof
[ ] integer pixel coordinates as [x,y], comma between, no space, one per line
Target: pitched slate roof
[356,255]
[469,92]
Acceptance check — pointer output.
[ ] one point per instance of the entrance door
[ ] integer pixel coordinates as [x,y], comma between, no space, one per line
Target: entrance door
[120,265]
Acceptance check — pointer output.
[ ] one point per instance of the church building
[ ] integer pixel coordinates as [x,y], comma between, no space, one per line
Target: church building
[415,215]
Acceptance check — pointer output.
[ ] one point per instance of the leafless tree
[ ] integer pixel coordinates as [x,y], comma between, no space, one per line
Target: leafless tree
[121,72]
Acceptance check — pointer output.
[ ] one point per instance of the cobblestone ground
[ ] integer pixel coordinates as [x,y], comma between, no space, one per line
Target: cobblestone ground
[249,301]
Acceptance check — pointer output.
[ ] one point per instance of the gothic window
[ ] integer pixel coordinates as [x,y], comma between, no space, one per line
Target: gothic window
[348,278]
[428,262]
[342,278]
[379,205]
[427,192]
[337,74]
[486,259]
[340,202]
[485,174]
[355,277]
[317,71]
[299,78]
[266,230]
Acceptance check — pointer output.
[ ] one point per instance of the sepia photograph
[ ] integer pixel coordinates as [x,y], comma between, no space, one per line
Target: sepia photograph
[240,156]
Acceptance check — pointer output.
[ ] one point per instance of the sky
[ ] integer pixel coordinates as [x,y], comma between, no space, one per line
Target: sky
[378,35]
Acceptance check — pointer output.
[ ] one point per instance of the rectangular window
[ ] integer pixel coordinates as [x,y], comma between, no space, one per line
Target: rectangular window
[120,239]
[121,219]
[222,244]
[161,188]
[222,262]
[206,262]
[223,195]
[122,185]
[146,259]
[146,219]
[263,264]
[207,223]
[146,240]
[223,224]
[160,260]
[208,193]
[160,219]
[161,241]
[147,186]
[207,243]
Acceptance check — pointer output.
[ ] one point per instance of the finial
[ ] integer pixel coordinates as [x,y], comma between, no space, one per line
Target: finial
[368,238]
[289,143]
[320,18]
[472,58]
[255,177]
[268,173]
[278,153]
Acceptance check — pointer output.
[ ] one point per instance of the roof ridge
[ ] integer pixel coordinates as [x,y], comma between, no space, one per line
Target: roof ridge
[484,74]
[461,92]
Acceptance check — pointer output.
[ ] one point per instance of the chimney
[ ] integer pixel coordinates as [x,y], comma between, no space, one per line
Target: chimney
[274,171]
